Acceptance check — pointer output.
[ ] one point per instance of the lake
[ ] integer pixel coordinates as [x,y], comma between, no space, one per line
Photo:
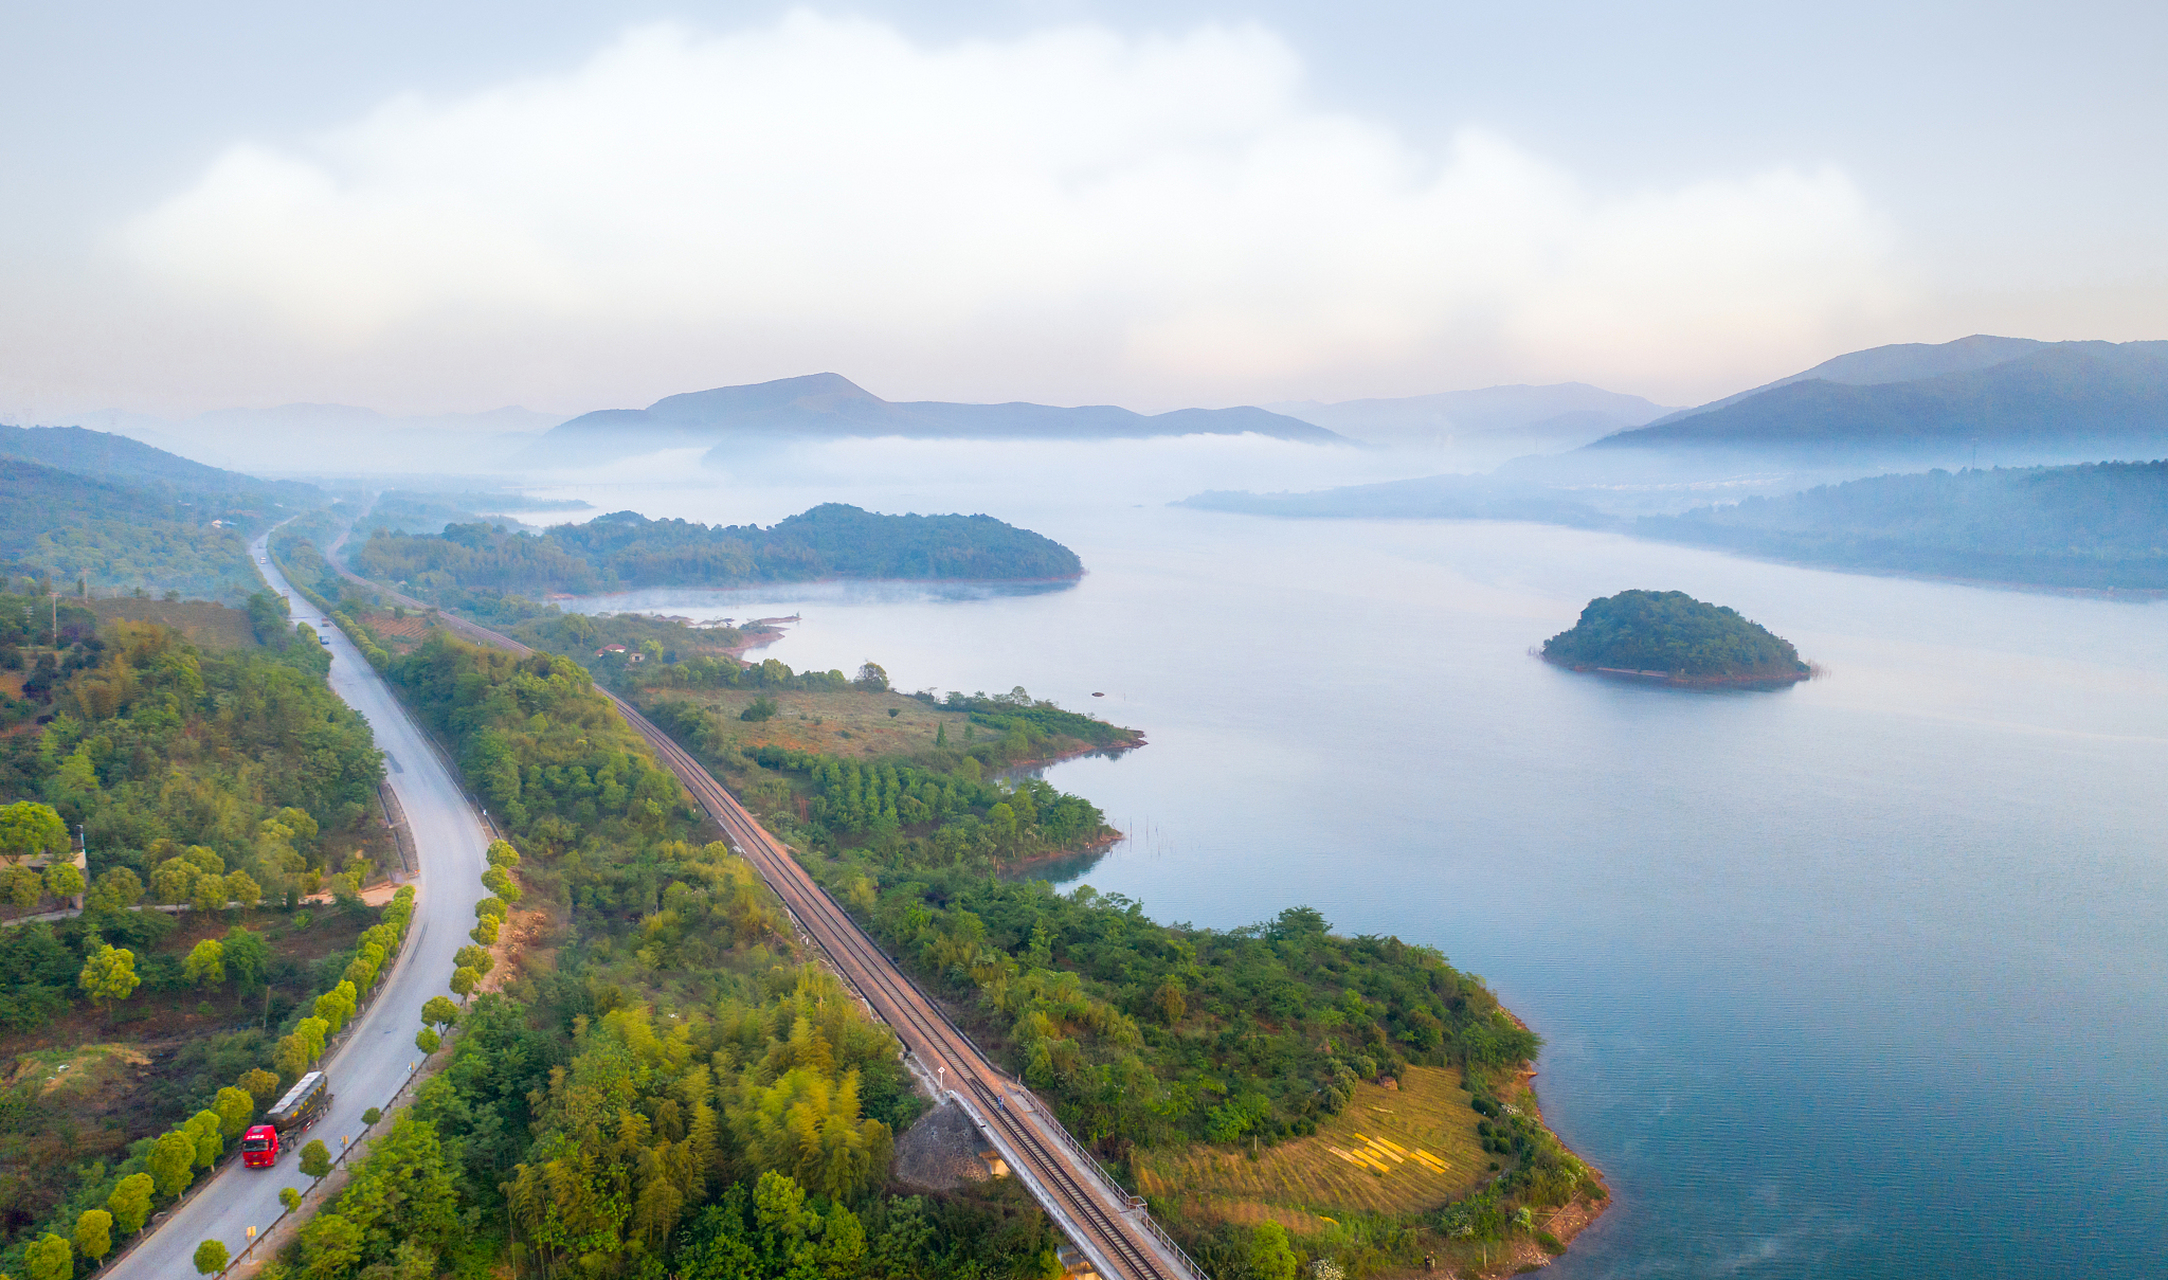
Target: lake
[1863,977]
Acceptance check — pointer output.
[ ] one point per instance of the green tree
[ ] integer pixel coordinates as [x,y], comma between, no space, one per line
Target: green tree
[174,880]
[63,880]
[248,956]
[330,1246]
[438,1011]
[242,888]
[173,1162]
[502,854]
[405,1184]
[109,974]
[21,886]
[316,1158]
[235,1109]
[413,1261]
[290,1197]
[208,894]
[475,958]
[94,1234]
[484,932]
[292,1056]
[117,889]
[490,907]
[1271,1257]
[499,882]
[464,981]
[210,1258]
[51,1258]
[428,1041]
[261,1085]
[130,1202]
[27,828]
[206,963]
[207,1130]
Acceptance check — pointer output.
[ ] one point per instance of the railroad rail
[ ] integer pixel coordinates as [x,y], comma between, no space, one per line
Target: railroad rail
[1112,1228]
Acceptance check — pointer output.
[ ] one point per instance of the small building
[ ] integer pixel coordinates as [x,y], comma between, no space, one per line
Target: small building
[80,857]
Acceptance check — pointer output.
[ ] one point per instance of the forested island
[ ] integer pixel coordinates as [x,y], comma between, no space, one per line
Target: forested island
[625,550]
[1670,634]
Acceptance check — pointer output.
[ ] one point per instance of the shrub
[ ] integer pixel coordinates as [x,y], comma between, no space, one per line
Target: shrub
[1549,1242]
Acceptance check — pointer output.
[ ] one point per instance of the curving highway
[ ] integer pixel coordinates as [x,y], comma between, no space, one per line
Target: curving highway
[376,1057]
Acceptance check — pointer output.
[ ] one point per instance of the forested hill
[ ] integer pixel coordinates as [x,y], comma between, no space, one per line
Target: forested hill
[114,538]
[2103,525]
[625,550]
[1672,633]
[117,459]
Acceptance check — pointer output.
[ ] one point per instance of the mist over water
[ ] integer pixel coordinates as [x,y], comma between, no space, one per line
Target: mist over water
[1864,977]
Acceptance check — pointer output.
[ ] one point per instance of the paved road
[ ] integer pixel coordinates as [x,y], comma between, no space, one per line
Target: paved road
[1115,1232]
[375,1059]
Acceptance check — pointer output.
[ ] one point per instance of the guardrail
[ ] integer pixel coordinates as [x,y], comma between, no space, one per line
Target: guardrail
[347,1148]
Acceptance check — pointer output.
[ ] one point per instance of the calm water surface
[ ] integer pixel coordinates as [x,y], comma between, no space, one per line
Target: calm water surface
[1867,977]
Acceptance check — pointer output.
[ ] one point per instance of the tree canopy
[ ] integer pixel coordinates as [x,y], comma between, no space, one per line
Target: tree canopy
[1670,631]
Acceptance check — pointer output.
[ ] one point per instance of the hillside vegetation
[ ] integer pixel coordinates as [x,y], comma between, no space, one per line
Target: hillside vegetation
[1673,633]
[231,783]
[111,538]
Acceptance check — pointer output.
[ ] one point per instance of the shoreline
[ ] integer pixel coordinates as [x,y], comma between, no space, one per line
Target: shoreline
[1775,680]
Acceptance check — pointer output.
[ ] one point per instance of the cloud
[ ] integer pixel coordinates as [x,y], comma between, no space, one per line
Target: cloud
[1069,214]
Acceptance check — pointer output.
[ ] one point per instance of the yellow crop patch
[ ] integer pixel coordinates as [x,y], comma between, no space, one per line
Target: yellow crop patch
[1416,1154]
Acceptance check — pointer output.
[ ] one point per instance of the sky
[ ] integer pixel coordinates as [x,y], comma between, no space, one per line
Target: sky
[450,208]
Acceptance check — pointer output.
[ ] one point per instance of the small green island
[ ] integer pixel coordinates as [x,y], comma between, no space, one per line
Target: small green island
[1669,635]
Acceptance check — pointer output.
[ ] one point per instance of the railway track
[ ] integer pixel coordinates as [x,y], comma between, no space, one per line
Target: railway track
[1115,1231]
[1112,1228]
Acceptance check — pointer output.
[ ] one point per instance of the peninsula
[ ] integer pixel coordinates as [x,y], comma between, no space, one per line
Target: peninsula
[1672,636]
[625,550]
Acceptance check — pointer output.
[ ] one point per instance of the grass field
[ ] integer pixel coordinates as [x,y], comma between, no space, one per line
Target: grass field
[847,725]
[1391,1151]
[207,625]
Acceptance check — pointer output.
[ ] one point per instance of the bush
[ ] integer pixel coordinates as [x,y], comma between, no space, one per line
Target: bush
[316,1158]
[1550,1243]
[371,1116]
[210,1258]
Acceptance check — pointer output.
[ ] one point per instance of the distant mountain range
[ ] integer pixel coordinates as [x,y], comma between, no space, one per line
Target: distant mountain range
[1514,419]
[828,406]
[2019,400]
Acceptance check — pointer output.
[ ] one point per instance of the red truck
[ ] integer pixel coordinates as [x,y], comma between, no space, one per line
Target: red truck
[300,1108]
